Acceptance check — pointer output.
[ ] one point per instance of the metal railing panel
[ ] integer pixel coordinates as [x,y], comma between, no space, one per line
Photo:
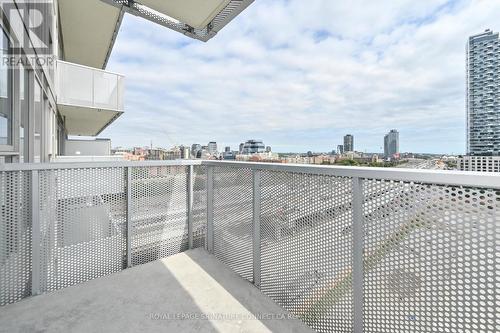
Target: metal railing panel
[82,225]
[159,214]
[232,205]
[199,206]
[431,258]
[306,247]
[15,236]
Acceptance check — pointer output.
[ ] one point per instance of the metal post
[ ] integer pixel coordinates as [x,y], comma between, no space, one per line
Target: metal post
[210,209]
[35,233]
[129,217]
[256,227]
[190,205]
[358,249]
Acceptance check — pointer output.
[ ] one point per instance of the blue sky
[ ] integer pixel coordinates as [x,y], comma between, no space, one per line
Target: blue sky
[301,74]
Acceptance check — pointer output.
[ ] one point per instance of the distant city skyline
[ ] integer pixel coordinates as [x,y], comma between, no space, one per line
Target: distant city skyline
[404,68]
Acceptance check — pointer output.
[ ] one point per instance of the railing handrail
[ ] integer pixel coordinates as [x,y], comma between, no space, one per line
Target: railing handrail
[94,164]
[441,177]
[67,63]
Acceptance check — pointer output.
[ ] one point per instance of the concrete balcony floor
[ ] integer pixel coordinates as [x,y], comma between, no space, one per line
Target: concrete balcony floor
[155,297]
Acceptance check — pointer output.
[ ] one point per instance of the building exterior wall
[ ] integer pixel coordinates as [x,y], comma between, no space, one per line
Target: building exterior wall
[479,163]
[483,94]
[31,129]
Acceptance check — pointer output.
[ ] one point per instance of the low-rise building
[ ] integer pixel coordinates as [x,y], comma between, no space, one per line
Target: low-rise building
[479,163]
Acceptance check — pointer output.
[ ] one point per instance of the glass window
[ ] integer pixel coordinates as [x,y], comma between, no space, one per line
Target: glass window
[38,121]
[24,113]
[5,94]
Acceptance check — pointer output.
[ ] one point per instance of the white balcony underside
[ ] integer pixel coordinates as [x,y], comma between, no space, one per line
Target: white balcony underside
[86,121]
[191,283]
[88,31]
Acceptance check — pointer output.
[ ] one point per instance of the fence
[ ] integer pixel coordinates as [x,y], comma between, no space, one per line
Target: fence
[345,249]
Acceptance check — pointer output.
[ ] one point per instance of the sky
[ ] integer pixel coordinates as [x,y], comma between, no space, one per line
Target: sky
[302,74]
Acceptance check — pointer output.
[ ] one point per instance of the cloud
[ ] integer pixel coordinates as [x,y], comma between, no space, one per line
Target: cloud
[301,74]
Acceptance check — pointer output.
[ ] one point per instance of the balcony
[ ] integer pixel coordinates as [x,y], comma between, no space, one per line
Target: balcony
[342,249]
[89,98]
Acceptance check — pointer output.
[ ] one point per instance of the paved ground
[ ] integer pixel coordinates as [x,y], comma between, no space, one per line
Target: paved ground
[155,297]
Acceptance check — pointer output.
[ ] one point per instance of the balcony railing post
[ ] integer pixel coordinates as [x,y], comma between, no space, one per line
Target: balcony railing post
[190,205]
[129,216]
[93,89]
[256,227]
[210,209]
[35,233]
[358,249]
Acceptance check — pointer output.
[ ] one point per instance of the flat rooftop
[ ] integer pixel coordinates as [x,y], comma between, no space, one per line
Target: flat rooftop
[188,292]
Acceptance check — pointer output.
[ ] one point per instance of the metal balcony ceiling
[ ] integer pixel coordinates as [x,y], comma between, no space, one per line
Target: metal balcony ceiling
[198,19]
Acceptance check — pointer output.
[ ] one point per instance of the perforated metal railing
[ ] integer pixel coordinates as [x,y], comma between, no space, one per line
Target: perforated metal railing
[362,249]
[344,249]
[63,224]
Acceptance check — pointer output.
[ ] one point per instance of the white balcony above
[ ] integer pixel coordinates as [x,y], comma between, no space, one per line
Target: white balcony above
[193,12]
[199,19]
[88,31]
[89,99]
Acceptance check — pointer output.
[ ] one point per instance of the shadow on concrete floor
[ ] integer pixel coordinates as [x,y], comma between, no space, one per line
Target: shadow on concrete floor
[187,292]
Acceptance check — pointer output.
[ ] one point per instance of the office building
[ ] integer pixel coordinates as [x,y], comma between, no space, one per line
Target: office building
[268,149]
[212,148]
[391,144]
[195,148]
[185,152]
[227,149]
[242,145]
[253,147]
[340,149]
[483,94]
[348,143]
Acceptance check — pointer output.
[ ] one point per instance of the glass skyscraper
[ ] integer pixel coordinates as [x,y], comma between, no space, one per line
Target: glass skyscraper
[348,143]
[391,143]
[483,94]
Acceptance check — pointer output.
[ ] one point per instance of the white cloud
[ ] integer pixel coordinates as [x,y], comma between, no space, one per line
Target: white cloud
[308,70]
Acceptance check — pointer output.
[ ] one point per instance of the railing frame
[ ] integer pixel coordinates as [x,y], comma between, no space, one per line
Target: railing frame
[356,174]
[437,177]
[35,233]
[128,185]
[256,227]
[190,180]
[210,210]
[357,253]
